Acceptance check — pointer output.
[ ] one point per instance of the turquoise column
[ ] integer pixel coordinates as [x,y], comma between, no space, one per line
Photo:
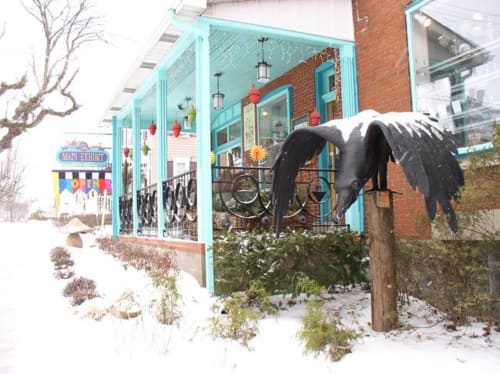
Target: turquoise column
[116,180]
[136,162]
[204,172]
[161,144]
[354,215]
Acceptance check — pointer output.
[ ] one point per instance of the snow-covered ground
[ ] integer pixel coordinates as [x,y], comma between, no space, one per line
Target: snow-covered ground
[40,332]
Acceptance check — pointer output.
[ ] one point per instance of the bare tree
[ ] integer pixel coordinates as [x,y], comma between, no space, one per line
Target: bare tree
[12,178]
[44,89]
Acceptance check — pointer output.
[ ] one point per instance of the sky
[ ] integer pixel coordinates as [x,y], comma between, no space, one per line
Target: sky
[103,68]
[41,332]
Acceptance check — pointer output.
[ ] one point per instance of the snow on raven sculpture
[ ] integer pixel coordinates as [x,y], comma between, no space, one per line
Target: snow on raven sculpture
[366,141]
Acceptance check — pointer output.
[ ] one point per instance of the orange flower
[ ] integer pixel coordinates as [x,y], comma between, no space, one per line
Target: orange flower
[257,153]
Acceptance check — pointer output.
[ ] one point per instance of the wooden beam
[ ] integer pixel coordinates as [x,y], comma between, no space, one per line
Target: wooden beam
[380,228]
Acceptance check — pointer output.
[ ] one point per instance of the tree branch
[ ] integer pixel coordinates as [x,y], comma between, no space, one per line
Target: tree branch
[66,27]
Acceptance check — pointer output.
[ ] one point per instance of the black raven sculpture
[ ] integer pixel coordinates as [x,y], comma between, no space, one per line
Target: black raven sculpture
[366,141]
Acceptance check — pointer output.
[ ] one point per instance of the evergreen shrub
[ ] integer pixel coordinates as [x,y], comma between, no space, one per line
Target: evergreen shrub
[453,276]
[331,258]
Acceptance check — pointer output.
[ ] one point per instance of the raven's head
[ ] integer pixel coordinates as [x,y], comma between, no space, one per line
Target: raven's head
[347,193]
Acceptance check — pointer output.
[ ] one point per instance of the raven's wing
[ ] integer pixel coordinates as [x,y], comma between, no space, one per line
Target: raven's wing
[299,147]
[427,154]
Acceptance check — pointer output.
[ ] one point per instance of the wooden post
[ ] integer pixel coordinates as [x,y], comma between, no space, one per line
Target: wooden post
[380,228]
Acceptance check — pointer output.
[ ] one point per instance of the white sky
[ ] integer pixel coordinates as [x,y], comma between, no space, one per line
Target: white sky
[103,68]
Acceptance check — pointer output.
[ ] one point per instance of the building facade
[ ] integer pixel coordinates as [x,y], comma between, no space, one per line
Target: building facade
[236,74]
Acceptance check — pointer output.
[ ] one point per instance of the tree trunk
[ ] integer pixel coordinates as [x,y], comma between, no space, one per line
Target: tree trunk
[380,227]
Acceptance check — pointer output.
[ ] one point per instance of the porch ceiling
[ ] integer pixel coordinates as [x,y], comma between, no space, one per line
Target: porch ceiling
[235,54]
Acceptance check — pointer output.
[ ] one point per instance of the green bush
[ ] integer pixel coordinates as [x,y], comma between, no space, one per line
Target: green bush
[236,317]
[167,307]
[235,320]
[331,258]
[322,331]
[451,275]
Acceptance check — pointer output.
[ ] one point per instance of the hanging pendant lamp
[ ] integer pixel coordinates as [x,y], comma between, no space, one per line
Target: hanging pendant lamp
[218,97]
[263,68]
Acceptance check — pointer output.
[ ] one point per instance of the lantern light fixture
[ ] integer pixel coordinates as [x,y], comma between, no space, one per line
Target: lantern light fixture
[218,97]
[424,20]
[187,118]
[263,68]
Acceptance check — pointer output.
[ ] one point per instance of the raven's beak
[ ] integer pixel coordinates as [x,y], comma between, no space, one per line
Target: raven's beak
[345,198]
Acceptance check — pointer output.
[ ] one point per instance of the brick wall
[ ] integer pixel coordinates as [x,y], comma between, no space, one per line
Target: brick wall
[301,78]
[189,256]
[384,85]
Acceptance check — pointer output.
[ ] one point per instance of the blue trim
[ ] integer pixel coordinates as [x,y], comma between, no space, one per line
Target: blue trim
[355,214]
[161,144]
[417,4]
[323,157]
[274,32]
[227,117]
[180,46]
[465,152]
[204,169]
[116,180]
[136,162]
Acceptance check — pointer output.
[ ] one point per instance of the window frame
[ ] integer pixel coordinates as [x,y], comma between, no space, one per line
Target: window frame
[274,95]
[415,6]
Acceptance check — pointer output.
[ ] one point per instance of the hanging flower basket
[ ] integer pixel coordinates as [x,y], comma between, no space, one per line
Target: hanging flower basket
[191,114]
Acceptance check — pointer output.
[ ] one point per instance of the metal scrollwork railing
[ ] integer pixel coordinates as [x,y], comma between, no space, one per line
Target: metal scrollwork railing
[126,213]
[180,205]
[147,210]
[241,200]
[242,195]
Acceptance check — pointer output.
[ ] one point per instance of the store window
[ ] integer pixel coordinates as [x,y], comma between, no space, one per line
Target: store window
[230,157]
[455,57]
[227,144]
[273,123]
[228,134]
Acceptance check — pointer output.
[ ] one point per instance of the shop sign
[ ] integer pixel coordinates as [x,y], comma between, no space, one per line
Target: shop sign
[90,157]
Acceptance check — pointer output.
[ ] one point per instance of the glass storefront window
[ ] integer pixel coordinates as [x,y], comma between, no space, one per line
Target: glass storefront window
[273,124]
[230,158]
[221,137]
[456,66]
[228,133]
[235,131]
